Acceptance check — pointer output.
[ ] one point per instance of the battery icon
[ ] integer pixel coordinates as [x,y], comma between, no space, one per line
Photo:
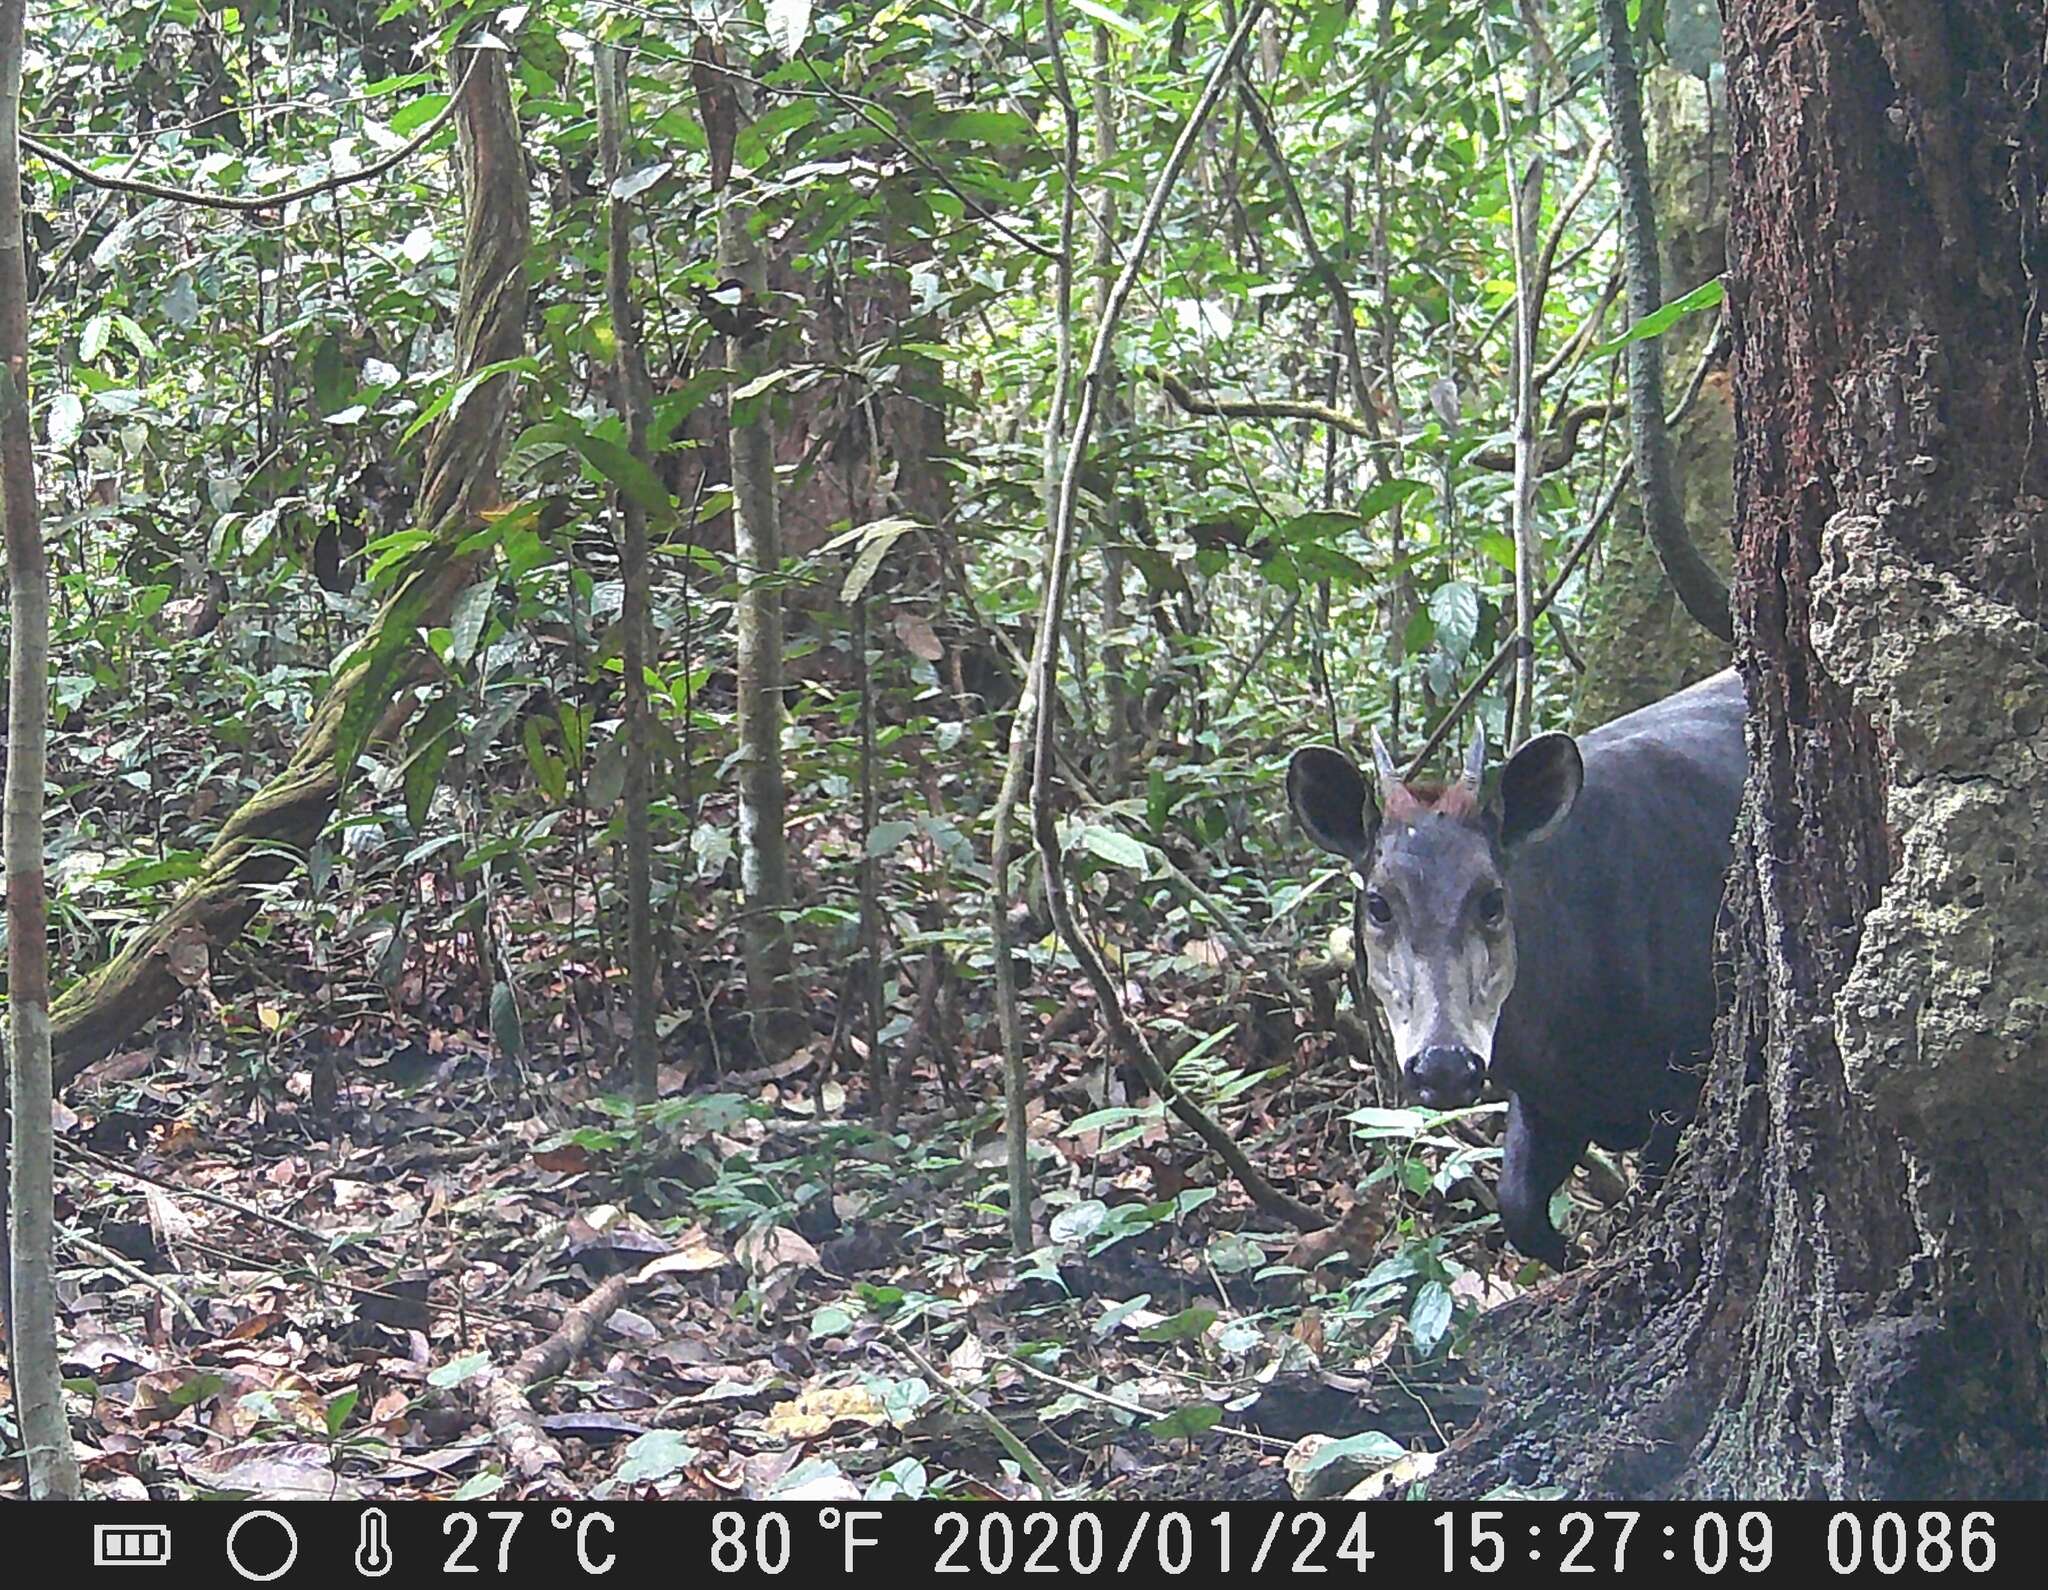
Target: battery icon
[131,1545]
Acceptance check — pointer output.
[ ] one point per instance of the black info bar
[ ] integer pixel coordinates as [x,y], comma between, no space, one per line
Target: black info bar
[230,1543]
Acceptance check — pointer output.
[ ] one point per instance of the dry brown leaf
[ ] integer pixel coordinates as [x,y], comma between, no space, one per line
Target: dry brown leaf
[764,1252]
[815,1412]
[918,637]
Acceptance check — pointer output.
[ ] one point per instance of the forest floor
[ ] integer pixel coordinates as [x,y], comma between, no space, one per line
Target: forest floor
[263,1304]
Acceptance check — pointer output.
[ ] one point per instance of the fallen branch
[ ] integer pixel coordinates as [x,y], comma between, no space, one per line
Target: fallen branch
[513,1422]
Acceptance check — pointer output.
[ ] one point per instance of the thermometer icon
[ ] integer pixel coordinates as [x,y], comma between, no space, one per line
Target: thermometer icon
[373,1544]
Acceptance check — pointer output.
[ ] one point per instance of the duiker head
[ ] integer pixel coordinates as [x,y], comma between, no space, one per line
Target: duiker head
[1435,914]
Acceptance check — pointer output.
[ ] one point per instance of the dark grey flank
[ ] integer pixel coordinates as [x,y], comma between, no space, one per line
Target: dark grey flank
[1598,900]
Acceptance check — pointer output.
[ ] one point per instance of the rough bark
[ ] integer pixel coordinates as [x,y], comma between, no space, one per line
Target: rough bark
[1639,642]
[264,840]
[29,1208]
[1844,1289]
[636,403]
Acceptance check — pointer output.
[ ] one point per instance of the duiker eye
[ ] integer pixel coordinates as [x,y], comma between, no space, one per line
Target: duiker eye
[1377,908]
[1493,906]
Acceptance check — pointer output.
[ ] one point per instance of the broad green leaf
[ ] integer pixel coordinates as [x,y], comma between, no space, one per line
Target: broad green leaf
[1454,606]
[632,184]
[466,622]
[92,342]
[1190,1324]
[506,1026]
[431,741]
[1371,1445]
[67,419]
[881,536]
[1120,849]
[1185,1423]
[459,1371]
[1115,20]
[656,1456]
[1430,1316]
[629,474]
[885,837]
[1705,296]
[409,119]
[1388,494]
[370,692]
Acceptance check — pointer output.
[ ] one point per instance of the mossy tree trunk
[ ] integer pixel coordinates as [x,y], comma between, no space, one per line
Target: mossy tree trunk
[267,838]
[1844,1288]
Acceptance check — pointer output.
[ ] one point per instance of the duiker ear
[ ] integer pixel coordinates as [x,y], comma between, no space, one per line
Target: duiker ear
[1327,793]
[1537,789]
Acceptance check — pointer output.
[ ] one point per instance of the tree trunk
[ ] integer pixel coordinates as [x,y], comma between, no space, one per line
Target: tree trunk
[772,999]
[261,843]
[29,1206]
[629,373]
[1844,1289]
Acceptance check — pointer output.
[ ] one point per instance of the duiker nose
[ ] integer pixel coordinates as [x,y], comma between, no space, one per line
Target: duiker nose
[1446,1077]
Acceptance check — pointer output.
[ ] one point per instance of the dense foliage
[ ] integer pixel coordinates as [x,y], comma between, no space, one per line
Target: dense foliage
[1286,534]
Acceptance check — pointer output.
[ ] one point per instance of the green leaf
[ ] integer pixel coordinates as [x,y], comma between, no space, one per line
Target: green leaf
[458,1371]
[1454,606]
[481,1486]
[1190,1324]
[409,119]
[881,536]
[1389,494]
[432,741]
[466,623]
[506,1027]
[1430,1316]
[885,837]
[397,635]
[1185,1423]
[1119,849]
[631,184]
[1115,20]
[1078,1222]
[1371,1445]
[339,1409]
[656,1456]
[453,397]
[92,342]
[629,474]
[67,419]
[834,1319]
[1705,296]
